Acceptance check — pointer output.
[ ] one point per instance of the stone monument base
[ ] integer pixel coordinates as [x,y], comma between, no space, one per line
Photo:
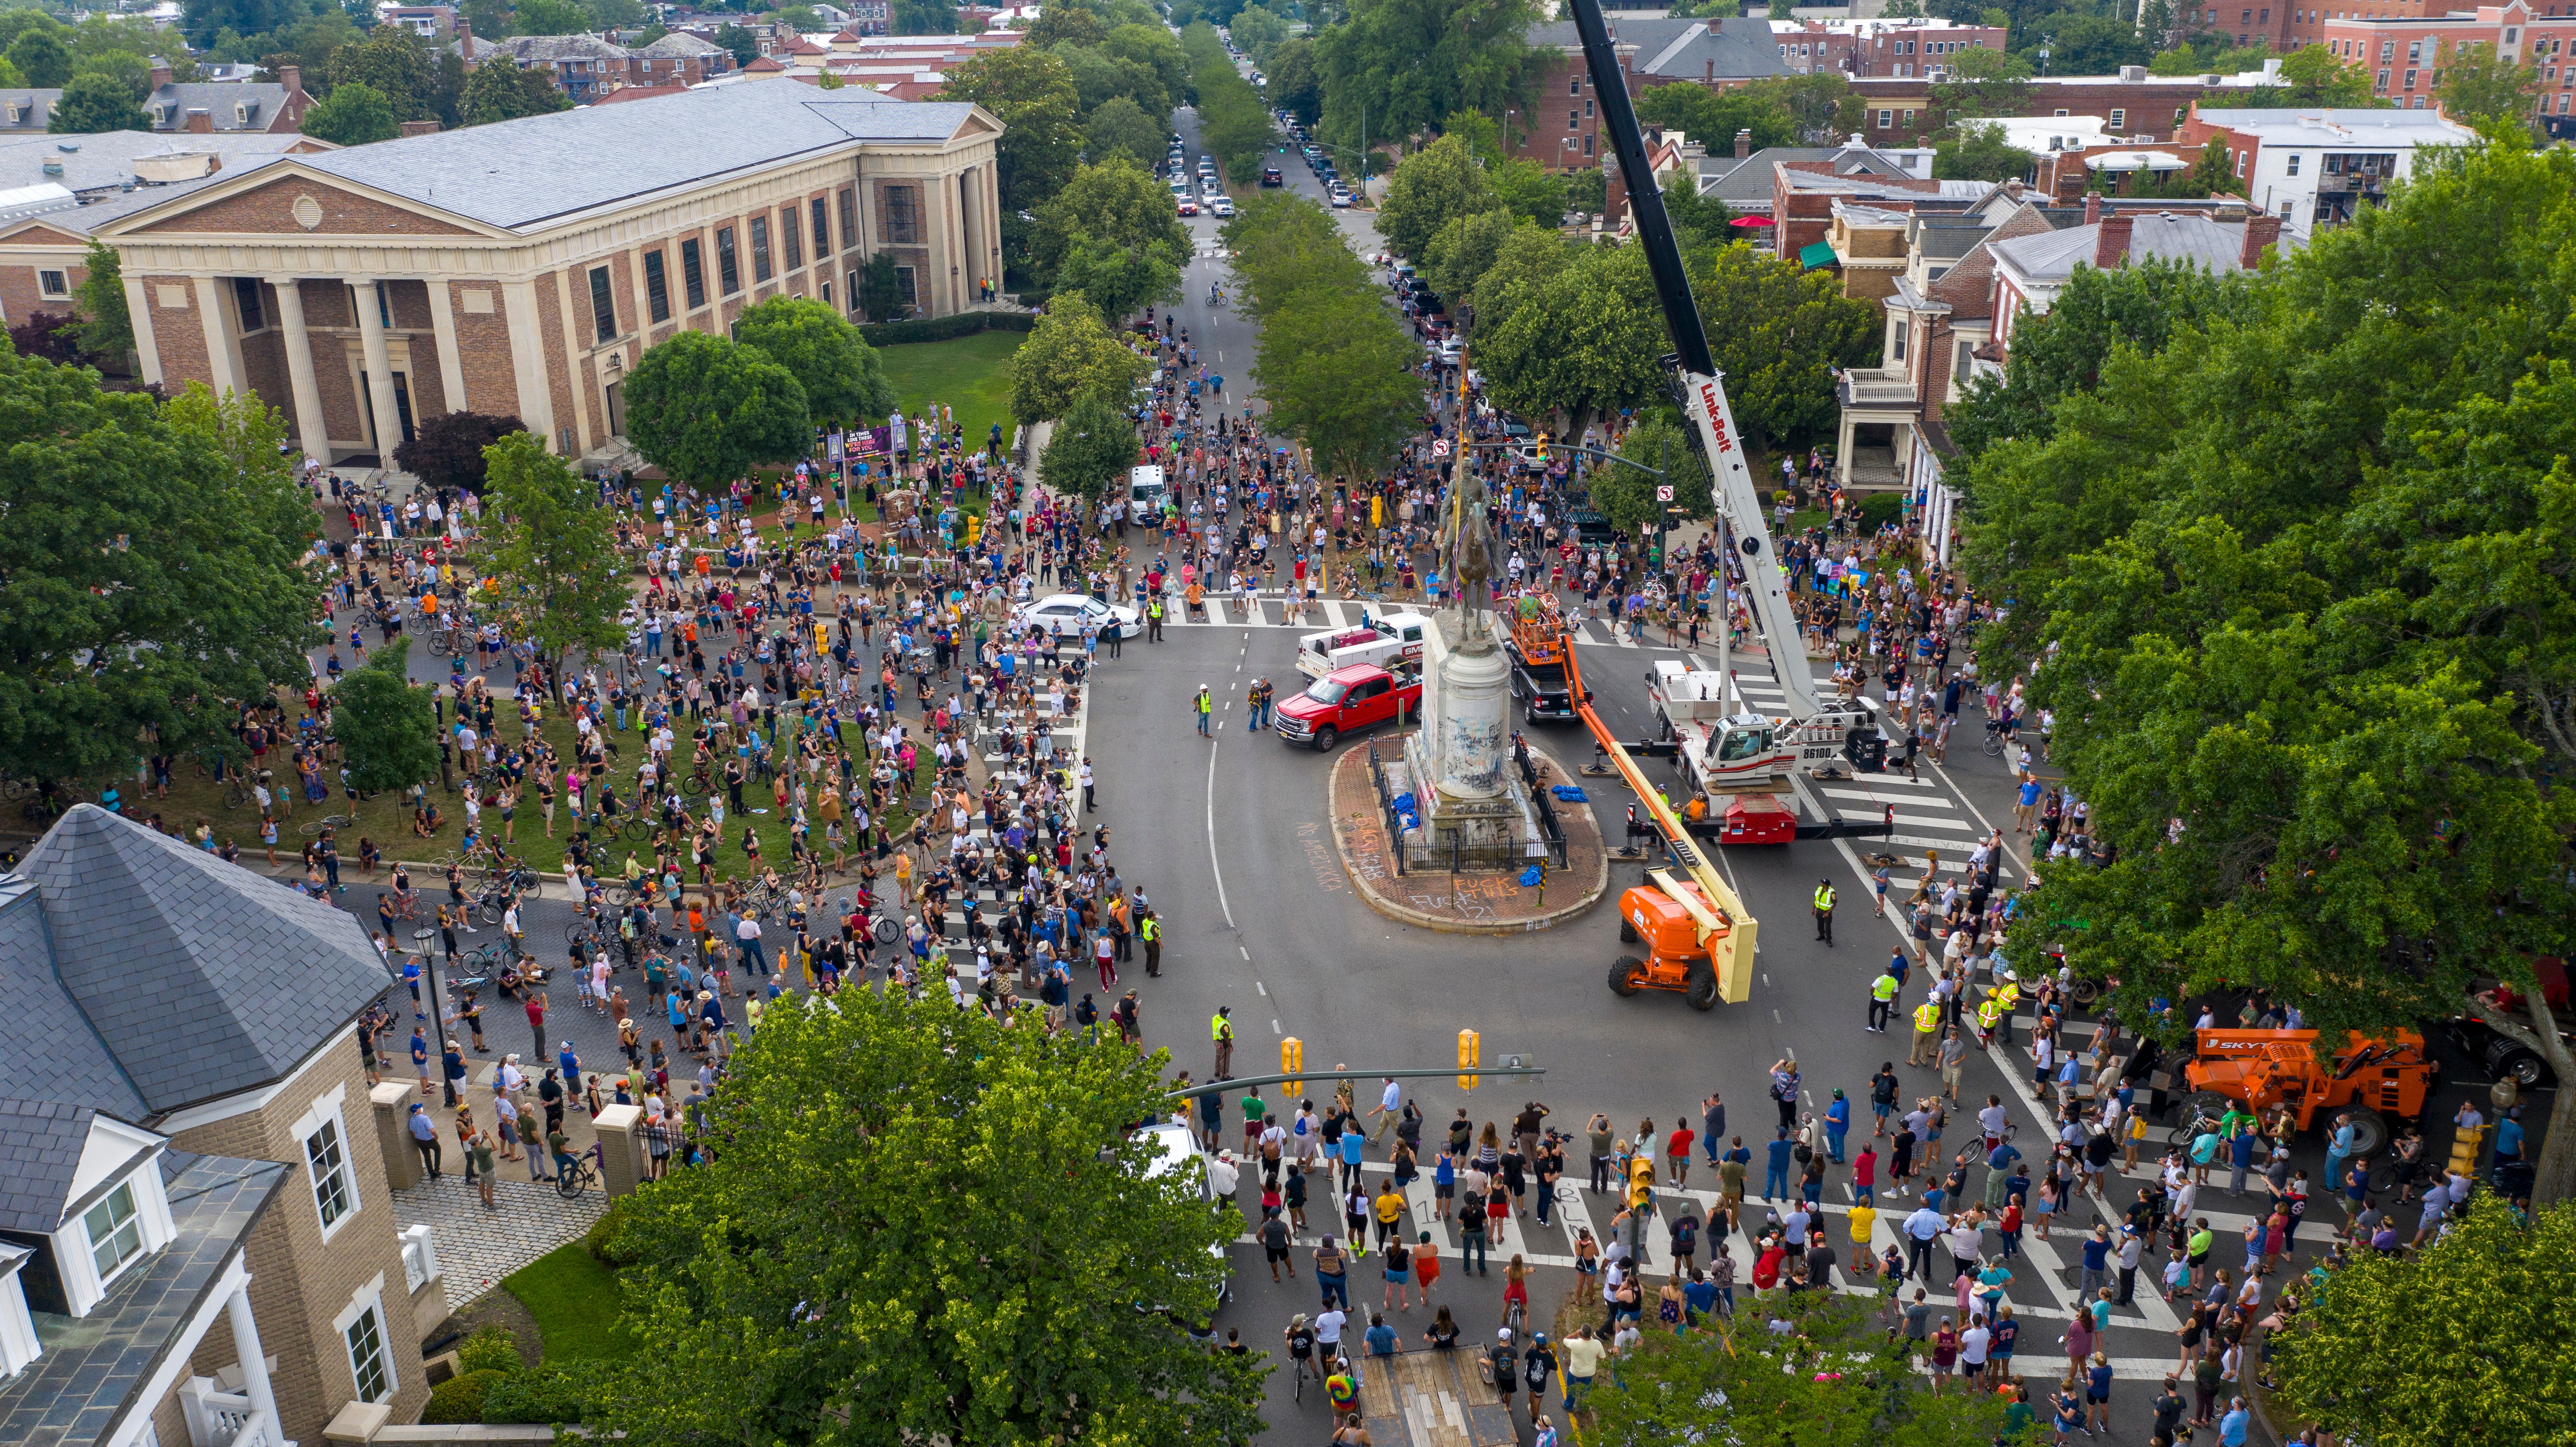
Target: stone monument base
[1462,834]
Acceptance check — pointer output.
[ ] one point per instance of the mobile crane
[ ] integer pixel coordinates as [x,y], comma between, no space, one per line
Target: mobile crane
[1719,750]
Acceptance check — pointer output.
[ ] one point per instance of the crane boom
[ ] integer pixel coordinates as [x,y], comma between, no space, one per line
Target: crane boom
[1702,390]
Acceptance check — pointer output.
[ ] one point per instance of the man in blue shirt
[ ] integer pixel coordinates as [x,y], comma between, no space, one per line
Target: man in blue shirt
[1921,1230]
[1837,1121]
[2508,1138]
[570,1064]
[2233,1427]
[1775,1176]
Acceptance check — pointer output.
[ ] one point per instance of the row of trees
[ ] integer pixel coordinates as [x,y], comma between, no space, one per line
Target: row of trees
[1333,363]
[2300,553]
[1234,122]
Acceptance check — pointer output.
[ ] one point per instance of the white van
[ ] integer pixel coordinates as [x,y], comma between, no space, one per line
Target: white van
[1176,1151]
[1145,489]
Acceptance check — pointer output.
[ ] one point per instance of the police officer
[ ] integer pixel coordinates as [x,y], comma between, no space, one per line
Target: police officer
[1201,706]
[1154,620]
[1221,1030]
[1882,999]
[1149,928]
[1825,910]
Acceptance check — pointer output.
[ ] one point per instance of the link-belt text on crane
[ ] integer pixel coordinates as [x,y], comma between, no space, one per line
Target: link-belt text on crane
[1716,416]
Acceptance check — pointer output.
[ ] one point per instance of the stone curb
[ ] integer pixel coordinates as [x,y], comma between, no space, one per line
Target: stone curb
[1444,924]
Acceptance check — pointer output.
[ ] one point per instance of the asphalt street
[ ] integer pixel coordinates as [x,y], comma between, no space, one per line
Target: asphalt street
[1229,837]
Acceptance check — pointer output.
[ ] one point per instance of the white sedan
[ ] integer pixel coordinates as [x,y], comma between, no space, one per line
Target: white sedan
[1064,615]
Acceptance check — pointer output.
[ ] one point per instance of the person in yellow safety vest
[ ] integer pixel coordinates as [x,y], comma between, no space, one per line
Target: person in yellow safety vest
[1150,930]
[1927,1033]
[1221,1030]
[1825,910]
[1154,623]
[1996,1010]
[1882,1000]
[1202,704]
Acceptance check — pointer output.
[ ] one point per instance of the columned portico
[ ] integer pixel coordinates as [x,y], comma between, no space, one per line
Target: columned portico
[310,431]
[378,359]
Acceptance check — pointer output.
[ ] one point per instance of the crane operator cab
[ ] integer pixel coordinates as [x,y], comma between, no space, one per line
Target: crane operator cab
[1738,739]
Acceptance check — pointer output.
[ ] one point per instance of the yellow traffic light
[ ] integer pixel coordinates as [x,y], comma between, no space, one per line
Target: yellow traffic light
[1641,1176]
[1542,447]
[1292,1058]
[1471,1052]
[974,528]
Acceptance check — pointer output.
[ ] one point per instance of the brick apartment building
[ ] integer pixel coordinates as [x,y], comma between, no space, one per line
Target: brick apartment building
[2405,53]
[523,268]
[2317,168]
[1653,50]
[1911,48]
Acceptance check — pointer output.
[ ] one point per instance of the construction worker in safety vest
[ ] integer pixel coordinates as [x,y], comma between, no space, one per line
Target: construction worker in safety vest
[1927,1033]
[1201,705]
[2005,996]
[1882,999]
[1150,930]
[1825,910]
[1989,1010]
[1221,1030]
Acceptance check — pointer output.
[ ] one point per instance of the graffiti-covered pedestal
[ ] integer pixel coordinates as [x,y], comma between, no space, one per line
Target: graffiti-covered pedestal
[1472,809]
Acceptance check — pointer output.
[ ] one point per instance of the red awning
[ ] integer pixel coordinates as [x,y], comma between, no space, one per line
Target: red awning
[1750,221]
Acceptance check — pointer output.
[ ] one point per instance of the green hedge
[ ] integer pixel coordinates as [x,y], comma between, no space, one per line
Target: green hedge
[459,1399]
[1878,509]
[544,1394]
[941,329]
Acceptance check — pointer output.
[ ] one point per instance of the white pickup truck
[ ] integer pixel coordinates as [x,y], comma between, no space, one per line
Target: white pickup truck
[1377,640]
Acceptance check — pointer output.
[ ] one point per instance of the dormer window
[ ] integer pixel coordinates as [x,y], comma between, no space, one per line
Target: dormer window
[115,1232]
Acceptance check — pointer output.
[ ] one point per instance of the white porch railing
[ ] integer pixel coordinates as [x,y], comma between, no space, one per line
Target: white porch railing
[217,1418]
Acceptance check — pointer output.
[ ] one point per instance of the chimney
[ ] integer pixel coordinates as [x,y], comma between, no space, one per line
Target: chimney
[2013,188]
[160,75]
[1744,143]
[2111,246]
[420,128]
[291,77]
[201,122]
[2092,207]
[465,39]
[2260,231]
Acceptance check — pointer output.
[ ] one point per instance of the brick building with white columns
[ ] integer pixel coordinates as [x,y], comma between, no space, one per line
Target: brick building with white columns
[523,268]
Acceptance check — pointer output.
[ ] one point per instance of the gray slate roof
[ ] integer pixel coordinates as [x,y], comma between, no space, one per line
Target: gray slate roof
[40,1149]
[171,103]
[104,160]
[200,978]
[2180,236]
[47,1047]
[80,1390]
[1680,49]
[678,46]
[526,173]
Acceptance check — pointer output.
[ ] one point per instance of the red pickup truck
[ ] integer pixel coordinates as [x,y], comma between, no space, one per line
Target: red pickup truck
[1345,699]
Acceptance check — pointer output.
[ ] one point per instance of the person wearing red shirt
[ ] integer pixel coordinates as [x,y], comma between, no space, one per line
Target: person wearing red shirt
[1766,1271]
[1677,1151]
[1865,1175]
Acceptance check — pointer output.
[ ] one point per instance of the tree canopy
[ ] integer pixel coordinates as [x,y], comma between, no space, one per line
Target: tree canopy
[843,377]
[446,448]
[1582,341]
[2403,1351]
[708,410]
[553,551]
[1070,352]
[93,102]
[1092,447]
[152,574]
[387,727]
[1332,362]
[353,114]
[922,1224]
[1823,1374]
[2306,587]
[1410,63]
[1778,334]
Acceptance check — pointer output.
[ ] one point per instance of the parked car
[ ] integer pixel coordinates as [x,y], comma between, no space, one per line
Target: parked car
[1347,699]
[1063,615]
[1341,198]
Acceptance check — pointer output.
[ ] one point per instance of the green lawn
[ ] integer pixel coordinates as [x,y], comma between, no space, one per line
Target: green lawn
[574,1299]
[972,375]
